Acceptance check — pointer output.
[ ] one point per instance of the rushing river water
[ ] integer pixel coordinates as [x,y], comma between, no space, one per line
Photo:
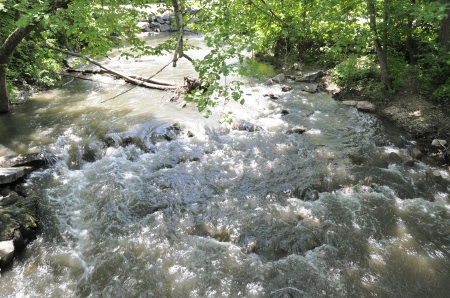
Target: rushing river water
[219,212]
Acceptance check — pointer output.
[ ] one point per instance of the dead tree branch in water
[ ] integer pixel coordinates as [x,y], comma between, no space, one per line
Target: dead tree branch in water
[135,80]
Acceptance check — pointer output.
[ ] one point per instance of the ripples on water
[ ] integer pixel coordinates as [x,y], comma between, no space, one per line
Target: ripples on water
[218,212]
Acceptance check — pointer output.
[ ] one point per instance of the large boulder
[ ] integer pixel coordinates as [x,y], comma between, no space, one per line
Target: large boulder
[311,77]
[165,28]
[166,17]
[155,26]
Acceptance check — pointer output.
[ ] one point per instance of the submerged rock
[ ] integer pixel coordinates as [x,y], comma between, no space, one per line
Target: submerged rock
[408,161]
[435,174]
[307,194]
[273,96]
[310,89]
[400,159]
[286,88]
[166,133]
[416,153]
[394,158]
[248,126]
[297,130]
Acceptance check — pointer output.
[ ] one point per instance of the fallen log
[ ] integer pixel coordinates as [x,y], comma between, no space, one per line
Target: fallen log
[104,71]
[150,85]
[191,83]
[153,81]
[127,78]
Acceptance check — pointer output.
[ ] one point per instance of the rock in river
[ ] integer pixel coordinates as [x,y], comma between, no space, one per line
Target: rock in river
[6,252]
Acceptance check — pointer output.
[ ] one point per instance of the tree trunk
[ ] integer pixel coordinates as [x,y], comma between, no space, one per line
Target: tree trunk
[4,100]
[444,31]
[179,50]
[410,42]
[11,43]
[380,48]
[6,49]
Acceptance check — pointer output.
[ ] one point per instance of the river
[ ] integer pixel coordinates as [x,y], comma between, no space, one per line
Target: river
[214,211]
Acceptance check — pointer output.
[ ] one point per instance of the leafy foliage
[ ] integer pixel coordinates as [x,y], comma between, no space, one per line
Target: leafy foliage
[41,68]
[334,33]
[434,71]
[355,72]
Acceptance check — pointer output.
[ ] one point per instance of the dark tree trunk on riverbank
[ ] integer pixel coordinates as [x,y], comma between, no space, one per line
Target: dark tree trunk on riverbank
[4,100]
[15,38]
[410,42]
[444,31]
[380,41]
[6,50]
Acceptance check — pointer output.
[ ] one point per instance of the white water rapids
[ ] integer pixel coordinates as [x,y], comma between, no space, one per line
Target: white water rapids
[219,212]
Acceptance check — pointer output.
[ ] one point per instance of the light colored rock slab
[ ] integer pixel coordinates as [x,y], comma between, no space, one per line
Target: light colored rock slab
[350,103]
[8,175]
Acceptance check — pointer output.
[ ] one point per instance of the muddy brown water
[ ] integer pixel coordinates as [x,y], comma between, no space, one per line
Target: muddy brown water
[219,212]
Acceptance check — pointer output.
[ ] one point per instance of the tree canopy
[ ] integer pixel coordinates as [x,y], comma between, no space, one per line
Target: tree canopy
[372,42]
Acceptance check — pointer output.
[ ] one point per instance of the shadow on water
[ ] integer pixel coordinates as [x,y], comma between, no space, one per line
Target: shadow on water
[37,123]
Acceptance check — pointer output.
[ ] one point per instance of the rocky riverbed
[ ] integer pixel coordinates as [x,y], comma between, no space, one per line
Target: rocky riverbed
[18,206]
[19,221]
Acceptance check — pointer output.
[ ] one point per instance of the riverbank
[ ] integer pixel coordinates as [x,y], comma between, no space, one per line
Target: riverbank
[408,109]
